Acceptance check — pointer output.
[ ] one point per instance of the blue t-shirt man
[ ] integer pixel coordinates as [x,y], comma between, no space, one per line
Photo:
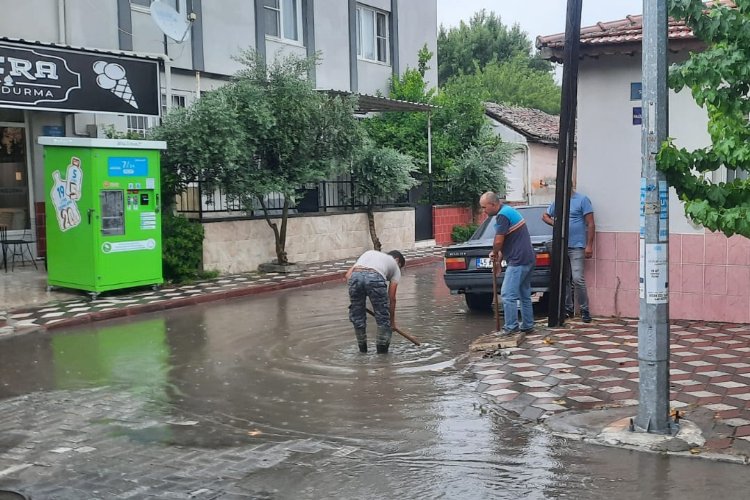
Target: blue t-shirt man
[580,247]
[580,207]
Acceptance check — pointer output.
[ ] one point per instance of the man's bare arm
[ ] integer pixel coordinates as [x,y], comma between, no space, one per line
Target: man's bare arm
[392,302]
[590,232]
[548,219]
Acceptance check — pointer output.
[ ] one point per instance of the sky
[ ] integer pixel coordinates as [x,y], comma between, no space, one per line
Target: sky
[536,17]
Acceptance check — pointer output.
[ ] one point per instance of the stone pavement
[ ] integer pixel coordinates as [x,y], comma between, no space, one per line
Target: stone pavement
[595,366]
[118,304]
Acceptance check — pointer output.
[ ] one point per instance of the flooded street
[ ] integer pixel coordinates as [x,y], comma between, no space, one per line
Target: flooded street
[268,397]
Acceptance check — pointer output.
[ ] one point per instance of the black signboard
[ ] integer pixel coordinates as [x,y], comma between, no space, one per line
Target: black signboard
[43,77]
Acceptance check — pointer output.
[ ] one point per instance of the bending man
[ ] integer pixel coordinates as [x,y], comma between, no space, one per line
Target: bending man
[375,275]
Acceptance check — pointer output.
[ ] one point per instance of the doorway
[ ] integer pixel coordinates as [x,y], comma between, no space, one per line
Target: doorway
[14,178]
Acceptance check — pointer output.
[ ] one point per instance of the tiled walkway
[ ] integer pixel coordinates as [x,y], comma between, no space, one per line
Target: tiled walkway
[588,366]
[113,305]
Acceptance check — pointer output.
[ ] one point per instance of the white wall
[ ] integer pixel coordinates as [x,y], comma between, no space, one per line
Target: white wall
[609,145]
[228,28]
[417,26]
[242,245]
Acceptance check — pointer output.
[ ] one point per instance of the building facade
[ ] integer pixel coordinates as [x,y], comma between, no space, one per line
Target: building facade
[709,273]
[532,171]
[78,68]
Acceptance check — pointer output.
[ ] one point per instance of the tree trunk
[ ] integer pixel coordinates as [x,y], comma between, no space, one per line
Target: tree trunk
[373,234]
[279,237]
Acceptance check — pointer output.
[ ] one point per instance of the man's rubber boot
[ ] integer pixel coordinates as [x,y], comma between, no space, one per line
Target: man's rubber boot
[382,348]
[383,340]
[361,339]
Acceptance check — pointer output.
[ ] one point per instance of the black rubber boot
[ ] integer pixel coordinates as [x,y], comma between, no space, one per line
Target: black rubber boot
[382,348]
[361,339]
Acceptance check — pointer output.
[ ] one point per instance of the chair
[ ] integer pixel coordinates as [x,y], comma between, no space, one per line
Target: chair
[18,247]
[3,237]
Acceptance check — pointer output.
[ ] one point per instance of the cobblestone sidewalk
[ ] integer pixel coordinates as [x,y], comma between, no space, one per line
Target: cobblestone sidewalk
[591,366]
[115,305]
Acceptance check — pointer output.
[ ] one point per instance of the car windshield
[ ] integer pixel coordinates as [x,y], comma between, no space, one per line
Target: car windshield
[533,217]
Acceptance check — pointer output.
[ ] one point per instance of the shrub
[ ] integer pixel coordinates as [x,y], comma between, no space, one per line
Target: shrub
[182,247]
[462,232]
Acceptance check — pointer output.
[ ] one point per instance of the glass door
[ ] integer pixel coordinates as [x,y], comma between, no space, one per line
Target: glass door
[14,182]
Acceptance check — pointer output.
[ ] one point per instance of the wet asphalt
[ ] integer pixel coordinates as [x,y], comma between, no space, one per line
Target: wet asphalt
[268,397]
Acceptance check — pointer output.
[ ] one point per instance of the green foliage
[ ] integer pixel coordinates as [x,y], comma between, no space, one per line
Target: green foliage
[267,131]
[381,172]
[481,168]
[310,132]
[182,245]
[719,79]
[462,232]
[456,124]
[111,133]
[463,50]
[515,83]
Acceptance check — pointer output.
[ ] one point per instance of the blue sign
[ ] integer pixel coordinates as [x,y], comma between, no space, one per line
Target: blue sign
[637,116]
[127,167]
[53,131]
[635,91]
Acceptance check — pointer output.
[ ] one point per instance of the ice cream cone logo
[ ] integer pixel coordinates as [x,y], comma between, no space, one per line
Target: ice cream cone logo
[112,77]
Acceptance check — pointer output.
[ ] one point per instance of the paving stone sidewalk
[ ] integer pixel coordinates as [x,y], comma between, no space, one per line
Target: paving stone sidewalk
[115,305]
[592,366]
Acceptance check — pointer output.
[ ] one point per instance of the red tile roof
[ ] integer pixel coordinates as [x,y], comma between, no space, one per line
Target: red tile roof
[531,123]
[626,31]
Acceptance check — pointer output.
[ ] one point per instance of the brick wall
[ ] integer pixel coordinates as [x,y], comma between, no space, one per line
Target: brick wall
[444,217]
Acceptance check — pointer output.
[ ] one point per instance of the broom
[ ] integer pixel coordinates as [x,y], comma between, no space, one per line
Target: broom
[400,332]
[495,299]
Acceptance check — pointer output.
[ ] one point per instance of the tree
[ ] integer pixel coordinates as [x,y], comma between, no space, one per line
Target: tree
[481,168]
[380,173]
[456,122]
[267,131]
[515,83]
[484,40]
[211,142]
[312,132]
[719,79]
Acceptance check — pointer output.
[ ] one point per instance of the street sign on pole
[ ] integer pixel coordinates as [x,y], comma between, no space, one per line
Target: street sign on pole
[653,325]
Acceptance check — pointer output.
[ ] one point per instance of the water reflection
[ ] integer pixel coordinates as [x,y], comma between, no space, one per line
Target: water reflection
[282,372]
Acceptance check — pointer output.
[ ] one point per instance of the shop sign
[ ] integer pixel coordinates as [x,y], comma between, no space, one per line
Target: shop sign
[42,77]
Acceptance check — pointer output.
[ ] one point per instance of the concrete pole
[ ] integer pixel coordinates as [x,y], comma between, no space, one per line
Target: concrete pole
[653,325]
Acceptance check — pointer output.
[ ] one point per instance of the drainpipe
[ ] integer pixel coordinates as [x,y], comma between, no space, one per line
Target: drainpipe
[61,28]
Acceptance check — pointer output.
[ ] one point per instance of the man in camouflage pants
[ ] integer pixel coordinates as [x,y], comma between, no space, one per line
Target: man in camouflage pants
[375,275]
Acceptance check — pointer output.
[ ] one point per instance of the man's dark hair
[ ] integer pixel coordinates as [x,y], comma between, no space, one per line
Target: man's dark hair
[398,256]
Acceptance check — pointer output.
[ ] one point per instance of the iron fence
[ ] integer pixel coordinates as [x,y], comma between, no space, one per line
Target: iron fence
[198,201]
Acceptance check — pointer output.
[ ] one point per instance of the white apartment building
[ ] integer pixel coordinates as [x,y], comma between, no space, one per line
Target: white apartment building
[74,68]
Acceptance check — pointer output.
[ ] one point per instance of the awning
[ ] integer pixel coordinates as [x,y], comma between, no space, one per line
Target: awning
[373,104]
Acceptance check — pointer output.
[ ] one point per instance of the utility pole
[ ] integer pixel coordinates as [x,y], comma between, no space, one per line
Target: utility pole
[565,150]
[653,325]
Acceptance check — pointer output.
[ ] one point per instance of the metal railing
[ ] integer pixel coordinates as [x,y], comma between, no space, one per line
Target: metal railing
[197,201]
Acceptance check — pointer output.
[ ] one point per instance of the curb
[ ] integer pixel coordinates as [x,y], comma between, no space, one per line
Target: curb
[203,298]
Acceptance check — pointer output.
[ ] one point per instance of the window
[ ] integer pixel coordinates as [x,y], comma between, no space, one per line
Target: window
[139,125]
[178,101]
[112,210]
[372,35]
[283,19]
[147,3]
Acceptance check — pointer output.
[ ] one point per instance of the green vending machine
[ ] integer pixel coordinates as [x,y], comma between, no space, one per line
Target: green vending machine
[103,213]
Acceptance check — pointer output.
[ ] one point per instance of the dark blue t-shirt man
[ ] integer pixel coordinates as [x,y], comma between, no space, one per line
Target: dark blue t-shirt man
[512,240]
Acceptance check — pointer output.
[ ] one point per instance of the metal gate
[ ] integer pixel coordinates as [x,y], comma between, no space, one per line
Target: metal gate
[423,222]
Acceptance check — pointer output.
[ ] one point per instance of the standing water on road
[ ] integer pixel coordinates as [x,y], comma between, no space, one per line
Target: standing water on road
[268,397]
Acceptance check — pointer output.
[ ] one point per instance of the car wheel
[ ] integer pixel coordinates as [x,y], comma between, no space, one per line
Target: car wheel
[478,301]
